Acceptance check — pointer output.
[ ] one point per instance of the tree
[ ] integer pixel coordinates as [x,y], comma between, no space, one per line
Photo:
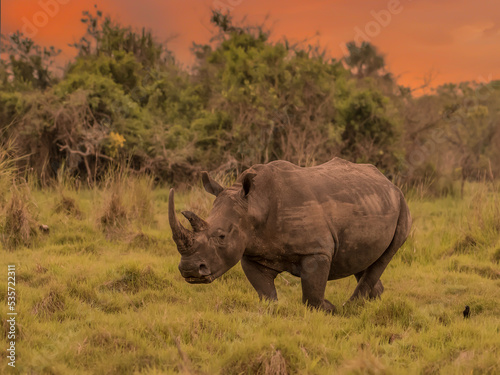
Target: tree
[279,101]
[366,61]
[371,129]
[28,63]
[106,37]
[470,122]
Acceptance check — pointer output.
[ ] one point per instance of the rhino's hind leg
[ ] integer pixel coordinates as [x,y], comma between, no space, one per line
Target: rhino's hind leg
[314,270]
[376,291]
[367,284]
[261,278]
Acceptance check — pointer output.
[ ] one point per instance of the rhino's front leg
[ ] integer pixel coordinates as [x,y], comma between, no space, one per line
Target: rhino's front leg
[261,278]
[314,275]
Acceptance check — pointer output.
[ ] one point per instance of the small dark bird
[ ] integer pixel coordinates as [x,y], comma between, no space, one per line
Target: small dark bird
[466,312]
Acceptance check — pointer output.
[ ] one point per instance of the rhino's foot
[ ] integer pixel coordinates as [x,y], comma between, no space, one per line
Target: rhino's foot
[325,306]
[363,290]
[377,290]
[328,307]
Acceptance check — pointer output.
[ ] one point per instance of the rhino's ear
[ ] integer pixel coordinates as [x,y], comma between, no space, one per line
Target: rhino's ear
[247,184]
[210,185]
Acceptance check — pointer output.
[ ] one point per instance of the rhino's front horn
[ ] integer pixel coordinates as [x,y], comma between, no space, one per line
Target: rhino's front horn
[182,237]
[196,222]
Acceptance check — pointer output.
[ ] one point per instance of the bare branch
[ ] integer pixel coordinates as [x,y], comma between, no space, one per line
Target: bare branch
[85,154]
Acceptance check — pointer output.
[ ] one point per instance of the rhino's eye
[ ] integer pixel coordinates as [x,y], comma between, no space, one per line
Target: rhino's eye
[222,236]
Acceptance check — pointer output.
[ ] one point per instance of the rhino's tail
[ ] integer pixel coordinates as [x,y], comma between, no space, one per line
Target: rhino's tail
[372,274]
[404,224]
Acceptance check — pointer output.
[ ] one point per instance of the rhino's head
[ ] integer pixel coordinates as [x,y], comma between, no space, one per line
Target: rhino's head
[217,244]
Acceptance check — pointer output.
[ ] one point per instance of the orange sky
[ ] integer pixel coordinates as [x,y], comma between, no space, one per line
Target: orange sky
[456,40]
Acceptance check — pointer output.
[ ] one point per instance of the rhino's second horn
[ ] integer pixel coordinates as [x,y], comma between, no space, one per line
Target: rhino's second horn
[196,222]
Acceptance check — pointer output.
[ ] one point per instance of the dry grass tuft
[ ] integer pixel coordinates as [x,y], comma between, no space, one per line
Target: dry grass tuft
[464,245]
[143,241]
[270,362]
[68,206]
[8,170]
[133,279]
[126,200]
[114,216]
[111,341]
[275,365]
[54,301]
[485,209]
[19,226]
[365,363]
[140,196]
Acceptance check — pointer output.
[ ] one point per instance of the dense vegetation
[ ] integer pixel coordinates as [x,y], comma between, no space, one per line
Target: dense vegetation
[125,100]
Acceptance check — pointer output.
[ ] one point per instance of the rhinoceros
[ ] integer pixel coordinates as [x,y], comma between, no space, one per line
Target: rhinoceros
[318,223]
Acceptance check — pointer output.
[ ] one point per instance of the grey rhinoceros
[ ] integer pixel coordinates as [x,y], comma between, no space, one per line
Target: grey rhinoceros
[318,223]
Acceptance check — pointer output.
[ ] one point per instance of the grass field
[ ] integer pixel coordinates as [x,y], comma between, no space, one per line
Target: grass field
[101,293]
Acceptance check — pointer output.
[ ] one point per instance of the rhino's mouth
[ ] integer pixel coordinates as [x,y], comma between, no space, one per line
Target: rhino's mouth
[200,280]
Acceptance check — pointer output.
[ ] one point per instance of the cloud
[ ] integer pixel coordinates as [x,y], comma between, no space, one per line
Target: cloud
[492,30]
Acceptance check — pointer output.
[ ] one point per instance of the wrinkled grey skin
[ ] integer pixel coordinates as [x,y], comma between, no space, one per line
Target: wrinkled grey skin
[319,223]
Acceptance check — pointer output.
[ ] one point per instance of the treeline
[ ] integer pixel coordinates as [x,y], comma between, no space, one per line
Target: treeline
[125,100]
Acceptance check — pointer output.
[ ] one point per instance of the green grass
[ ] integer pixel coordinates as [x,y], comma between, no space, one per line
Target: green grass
[94,298]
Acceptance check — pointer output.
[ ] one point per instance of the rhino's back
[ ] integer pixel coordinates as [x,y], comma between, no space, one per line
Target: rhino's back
[349,209]
[360,186]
